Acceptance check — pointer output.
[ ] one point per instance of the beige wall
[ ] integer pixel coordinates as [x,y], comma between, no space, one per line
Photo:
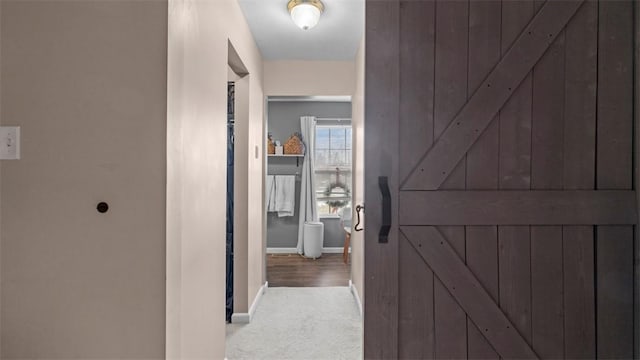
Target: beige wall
[241,196]
[309,78]
[86,81]
[199,32]
[357,238]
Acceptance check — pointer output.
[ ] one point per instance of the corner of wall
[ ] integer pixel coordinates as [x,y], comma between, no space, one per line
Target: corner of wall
[195,82]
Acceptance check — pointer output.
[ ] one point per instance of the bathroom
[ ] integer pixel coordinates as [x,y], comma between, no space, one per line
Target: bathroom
[332,183]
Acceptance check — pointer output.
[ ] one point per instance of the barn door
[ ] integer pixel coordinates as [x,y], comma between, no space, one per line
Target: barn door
[503,131]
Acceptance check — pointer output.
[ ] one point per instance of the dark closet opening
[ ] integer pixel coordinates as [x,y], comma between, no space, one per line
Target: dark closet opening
[229,224]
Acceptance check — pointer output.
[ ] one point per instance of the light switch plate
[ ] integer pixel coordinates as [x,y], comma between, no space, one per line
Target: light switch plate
[9,142]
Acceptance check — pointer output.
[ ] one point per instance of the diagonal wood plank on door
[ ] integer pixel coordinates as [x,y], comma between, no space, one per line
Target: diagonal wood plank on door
[436,251]
[474,117]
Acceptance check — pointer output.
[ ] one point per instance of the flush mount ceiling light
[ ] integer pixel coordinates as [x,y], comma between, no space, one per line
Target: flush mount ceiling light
[305,13]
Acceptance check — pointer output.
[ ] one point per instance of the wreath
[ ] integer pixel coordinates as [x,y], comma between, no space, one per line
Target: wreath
[337,185]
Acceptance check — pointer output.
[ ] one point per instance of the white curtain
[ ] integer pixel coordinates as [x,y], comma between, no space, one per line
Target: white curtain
[308,211]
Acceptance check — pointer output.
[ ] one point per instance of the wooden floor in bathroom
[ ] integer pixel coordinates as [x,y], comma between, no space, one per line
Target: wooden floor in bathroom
[293,270]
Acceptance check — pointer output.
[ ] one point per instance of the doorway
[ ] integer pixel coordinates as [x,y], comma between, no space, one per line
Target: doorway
[319,261]
[310,300]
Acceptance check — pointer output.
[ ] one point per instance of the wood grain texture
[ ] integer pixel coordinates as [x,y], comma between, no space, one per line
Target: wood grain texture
[615,95]
[484,54]
[547,148]
[514,169]
[482,163]
[614,296]
[382,74]
[482,260]
[518,207]
[514,251]
[468,292]
[547,299]
[497,88]
[581,58]
[417,46]
[547,128]
[614,245]
[515,115]
[416,332]
[450,95]
[293,270]
[581,49]
[579,295]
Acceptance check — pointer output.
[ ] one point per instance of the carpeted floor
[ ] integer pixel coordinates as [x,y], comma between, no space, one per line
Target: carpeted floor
[300,323]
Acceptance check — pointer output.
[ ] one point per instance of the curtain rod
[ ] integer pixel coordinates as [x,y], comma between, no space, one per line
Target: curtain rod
[333,119]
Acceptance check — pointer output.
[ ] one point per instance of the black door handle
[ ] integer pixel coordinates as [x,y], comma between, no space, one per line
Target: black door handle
[358,208]
[383,235]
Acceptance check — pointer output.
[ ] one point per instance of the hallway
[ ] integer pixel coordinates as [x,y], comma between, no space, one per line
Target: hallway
[300,323]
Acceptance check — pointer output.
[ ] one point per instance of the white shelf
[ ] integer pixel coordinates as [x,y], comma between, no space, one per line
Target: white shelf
[286,155]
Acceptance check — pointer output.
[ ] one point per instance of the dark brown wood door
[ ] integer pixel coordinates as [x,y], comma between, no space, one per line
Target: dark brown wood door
[505,129]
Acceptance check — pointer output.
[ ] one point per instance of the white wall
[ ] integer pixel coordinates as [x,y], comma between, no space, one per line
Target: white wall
[86,81]
[199,32]
[309,78]
[357,238]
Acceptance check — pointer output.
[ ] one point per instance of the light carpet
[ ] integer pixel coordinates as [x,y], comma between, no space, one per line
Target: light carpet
[300,323]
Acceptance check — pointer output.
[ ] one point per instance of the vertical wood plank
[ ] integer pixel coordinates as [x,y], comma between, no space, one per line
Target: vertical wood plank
[547,302]
[451,73]
[579,304]
[417,46]
[614,245]
[515,165]
[548,119]
[515,276]
[450,95]
[417,35]
[615,95]
[482,259]
[515,116]
[614,287]
[581,39]
[482,163]
[415,333]
[382,112]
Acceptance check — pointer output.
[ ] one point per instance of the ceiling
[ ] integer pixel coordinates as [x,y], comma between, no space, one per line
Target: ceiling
[336,37]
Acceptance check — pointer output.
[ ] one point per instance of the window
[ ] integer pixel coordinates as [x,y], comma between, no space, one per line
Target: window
[333,168]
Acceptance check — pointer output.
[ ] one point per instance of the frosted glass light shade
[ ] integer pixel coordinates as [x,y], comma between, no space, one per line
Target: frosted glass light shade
[305,15]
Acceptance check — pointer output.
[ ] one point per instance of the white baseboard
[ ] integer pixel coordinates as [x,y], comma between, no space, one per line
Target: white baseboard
[354,291]
[245,318]
[326,250]
[334,250]
[282,250]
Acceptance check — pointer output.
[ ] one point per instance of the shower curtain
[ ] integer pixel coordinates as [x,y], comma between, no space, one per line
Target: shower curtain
[308,210]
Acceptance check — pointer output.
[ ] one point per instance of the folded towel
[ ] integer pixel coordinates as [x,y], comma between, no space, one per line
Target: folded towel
[270,193]
[285,194]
